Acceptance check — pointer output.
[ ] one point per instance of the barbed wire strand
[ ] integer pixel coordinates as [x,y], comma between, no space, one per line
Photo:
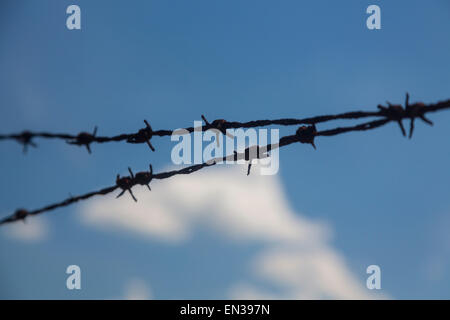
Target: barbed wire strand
[304,134]
[145,135]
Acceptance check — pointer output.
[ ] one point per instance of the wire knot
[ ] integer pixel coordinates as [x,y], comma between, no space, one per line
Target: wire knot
[221,125]
[395,113]
[144,178]
[126,183]
[21,214]
[143,135]
[306,134]
[84,139]
[25,138]
[413,111]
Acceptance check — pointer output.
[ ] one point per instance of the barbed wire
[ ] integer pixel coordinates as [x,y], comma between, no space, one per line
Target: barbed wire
[145,135]
[305,134]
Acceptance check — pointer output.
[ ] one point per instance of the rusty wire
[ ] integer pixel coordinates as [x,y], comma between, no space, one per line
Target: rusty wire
[305,134]
[144,135]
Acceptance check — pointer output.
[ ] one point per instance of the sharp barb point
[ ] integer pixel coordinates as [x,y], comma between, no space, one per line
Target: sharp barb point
[411,128]
[402,128]
[150,145]
[132,195]
[426,120]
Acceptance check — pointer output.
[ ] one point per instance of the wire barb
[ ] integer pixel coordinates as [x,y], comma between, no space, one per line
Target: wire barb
[250,154]
[126,183]
[25,138]
[21,214]
[144,178]
[395,113]
[413,111]
[84,139]
[143,135]
[306,134]
[221,125]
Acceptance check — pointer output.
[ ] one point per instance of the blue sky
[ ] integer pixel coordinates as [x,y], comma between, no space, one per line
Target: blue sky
[384,198]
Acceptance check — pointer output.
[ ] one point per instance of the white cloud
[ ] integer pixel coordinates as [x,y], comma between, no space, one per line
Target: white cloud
[147,217]
[137,289]
[33,229]
[240,207]
[245,291]
[296,256]
[307,273]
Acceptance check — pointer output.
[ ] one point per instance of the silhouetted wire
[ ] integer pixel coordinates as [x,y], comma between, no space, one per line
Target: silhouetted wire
[145,135]
[304,134]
